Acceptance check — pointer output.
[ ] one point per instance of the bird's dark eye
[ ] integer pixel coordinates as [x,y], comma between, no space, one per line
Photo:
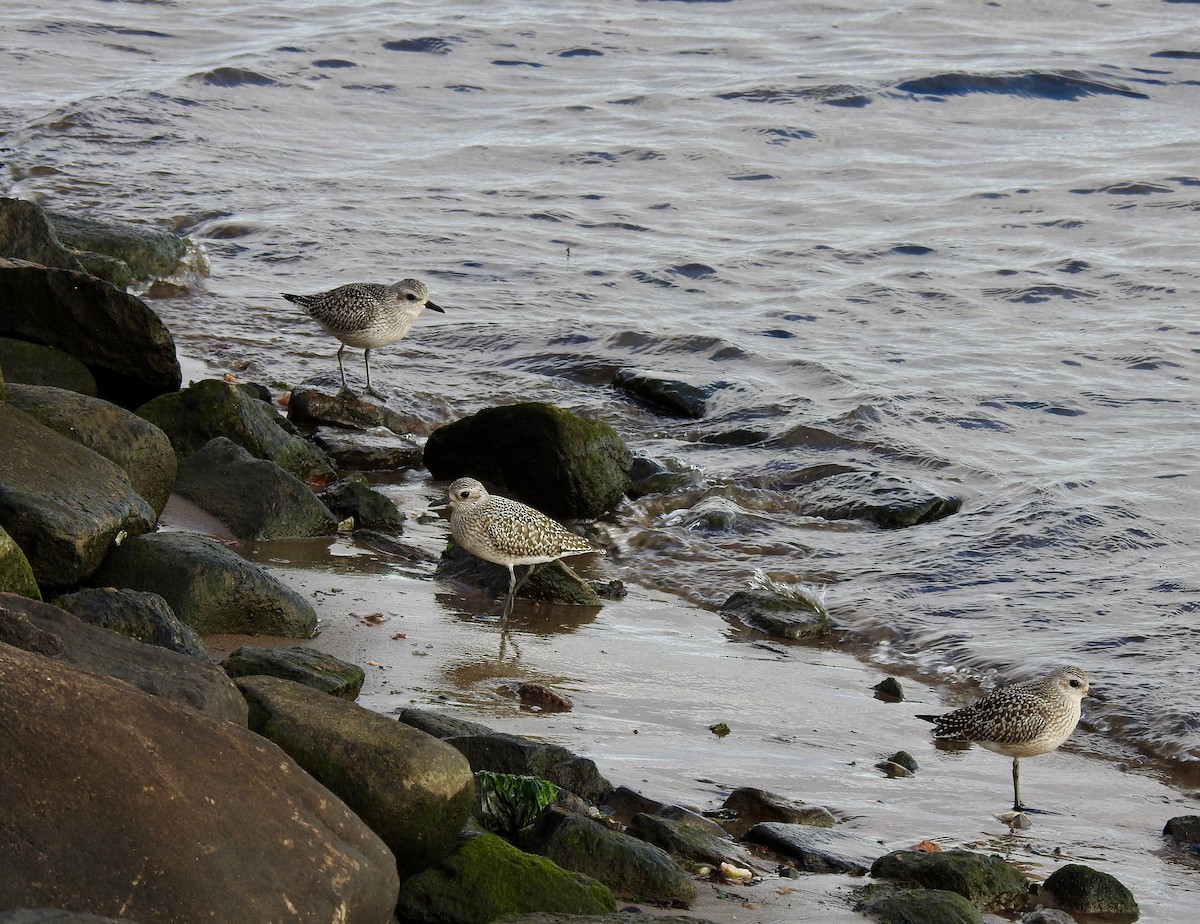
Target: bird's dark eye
[408,296]
[1075,683]
[463,495]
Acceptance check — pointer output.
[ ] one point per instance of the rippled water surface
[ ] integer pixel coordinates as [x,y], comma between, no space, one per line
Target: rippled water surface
[952,242]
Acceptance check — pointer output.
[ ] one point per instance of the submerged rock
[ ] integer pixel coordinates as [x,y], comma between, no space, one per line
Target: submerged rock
[885,500]
[209,587]
[676,397]
[414,791]
[1076,887]
[986,881]
[567,466]
[125,803]
[785,615]
[254,497]
[487,878]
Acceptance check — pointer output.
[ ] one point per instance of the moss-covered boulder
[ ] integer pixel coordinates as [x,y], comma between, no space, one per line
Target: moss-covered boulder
[686,843]
[140,448]
[890,905]
[16,575]
[208,586]
[629,866]
[1076,887]
[119,251]
[353,496]
[34,364]
[307,666]
[487,878]
[987,881]
[411,789]
[254,497]
[785,615]
[567,466]
[136,614]
[213,408]
[63,504]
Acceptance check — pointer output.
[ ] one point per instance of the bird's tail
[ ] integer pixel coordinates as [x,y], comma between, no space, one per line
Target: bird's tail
[298,299]
[927,718]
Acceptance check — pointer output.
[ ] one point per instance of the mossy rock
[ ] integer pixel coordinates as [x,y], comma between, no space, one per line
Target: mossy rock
[890,905]
[212,408]
[487,878]
[33,364]
[781,615]
[1076,887]
[567,466]
[307,666]
[119,251]
[16,575]
[986,881]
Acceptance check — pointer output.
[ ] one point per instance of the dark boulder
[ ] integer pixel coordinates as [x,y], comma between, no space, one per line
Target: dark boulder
[208,586]
[887,501]
[27,234]
[212,408]
[686,843]
[1079,888]
[140,615]
[128,805]
[785,615]
[567,466]
[674,396]
[502,753]
[375,450]
[987,881]
[553,582]
[815,850]
[353,496]
[756,805]
[890,905]
[254,497]
[116,335]
[319,401]
[120,251]
[1183,829]
[28,363]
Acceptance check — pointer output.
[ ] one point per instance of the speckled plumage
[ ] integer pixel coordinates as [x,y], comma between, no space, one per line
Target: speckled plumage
[366,315]
[1020,719]
[507,532]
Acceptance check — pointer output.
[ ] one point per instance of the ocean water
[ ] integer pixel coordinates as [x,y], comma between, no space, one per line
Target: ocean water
[952,242]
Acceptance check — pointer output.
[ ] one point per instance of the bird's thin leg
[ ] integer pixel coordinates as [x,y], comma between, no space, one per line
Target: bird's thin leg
[508,601]
[524,578]
[342,369]
[370,390]
[1017,806]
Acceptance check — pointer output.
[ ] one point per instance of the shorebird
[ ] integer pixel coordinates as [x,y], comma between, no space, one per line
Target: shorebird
[509,533]
[366,315]
[1019,720]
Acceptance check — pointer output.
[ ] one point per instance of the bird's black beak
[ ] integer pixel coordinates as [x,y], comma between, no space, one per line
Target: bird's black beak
[432,307]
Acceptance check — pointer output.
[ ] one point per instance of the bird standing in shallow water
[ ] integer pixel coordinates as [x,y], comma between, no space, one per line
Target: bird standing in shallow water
[507,532]
[366,315]
[1019,720]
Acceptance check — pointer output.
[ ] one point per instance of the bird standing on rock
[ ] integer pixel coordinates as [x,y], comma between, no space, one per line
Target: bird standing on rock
[1019,720]
[366,315]
[507,532]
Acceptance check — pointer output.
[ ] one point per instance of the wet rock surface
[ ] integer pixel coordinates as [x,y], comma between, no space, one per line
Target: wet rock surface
[306,666]
[986,881]
[1079,888]
[140,615]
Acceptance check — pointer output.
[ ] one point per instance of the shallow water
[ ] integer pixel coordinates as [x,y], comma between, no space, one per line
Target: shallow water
[956,244]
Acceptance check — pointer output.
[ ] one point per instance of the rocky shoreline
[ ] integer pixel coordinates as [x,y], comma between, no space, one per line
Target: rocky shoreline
[298,803]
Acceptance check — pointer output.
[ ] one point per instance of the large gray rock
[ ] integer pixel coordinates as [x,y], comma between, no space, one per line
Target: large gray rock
[627,865]
[686,843]
[119,251]
[208,586]
[62,503]
[50,631]
[16,576]
[122,342]
[33,364]
[140,615]
[755,805]
[212,408]
[255,498]
[567,466]
[141,449]
[414,791]
[127,805]
[353,496]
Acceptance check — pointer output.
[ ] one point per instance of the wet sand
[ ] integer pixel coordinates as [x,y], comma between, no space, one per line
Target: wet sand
[649,675]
